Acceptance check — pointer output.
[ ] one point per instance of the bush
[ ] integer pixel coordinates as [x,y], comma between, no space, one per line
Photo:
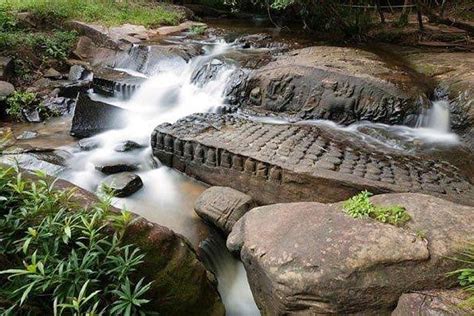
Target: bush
[466,275]
[20,101]
[64,259]
[360,206]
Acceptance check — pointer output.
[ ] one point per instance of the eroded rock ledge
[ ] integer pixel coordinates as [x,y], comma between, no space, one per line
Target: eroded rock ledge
[284,162]
[312,258]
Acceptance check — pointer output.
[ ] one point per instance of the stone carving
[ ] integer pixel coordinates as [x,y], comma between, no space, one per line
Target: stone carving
[297,162]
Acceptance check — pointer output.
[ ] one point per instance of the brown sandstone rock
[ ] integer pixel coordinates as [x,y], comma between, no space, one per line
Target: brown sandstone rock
[432,303]
[341,84]
[223,206]
[312,258]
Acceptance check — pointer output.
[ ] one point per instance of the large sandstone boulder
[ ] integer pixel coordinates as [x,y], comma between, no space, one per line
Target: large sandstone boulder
[312,258]
[433,303]
[223,206]
[337,83]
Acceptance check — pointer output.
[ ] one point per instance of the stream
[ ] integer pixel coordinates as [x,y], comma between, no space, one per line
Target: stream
[167,197]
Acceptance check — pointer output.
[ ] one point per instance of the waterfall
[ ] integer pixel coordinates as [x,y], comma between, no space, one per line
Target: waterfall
[437,118]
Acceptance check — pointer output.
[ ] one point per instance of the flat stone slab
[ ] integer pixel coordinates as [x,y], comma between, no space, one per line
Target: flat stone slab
[291,162]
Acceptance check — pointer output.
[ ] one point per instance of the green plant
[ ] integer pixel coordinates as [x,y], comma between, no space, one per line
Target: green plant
[19,101]
[64,258]
[7,21]
[360,206]
[466,275]
[198,29]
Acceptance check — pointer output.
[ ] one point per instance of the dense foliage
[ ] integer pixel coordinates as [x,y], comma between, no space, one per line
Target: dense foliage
[61,258]
[466,275]
[360,206]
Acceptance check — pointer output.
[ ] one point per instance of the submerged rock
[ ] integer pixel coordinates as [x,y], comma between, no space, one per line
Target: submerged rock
[87,144]
[128,145]
[223,206]
[433,303]
[115,167]
[123,184]
[315,259]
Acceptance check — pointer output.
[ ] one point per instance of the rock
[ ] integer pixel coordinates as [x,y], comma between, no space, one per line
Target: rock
[168,30]
[77,72]
[344,85]
[93,117]
[26,158]
[315,259]
[27,135]
[115,167]
[32,115]
[223,207]
[60,105]
[127,146]
[114,83]
[52,73]
[433,303]
[87,50]
[87,144]
[6,68]
[295,162]
[123,184]
[6,90]
[98,34]
[181,285]
[260,40]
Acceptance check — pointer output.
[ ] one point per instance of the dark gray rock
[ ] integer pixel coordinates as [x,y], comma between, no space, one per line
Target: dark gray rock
[32,115]
[123,184]
[223,207]
[59,105]
[315,259]
[93,117]
[116,167]
[127,146]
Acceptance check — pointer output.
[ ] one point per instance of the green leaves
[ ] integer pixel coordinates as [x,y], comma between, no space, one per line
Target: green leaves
[66,259]
[466,275]
[360,206]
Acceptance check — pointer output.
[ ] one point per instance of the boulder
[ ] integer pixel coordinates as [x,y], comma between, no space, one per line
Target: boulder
[123,184]
[223,207]
[336,83]
[312,258]
[93,117]
[87,144]
[168,30]
[77,72]
[433,303]
[59,105]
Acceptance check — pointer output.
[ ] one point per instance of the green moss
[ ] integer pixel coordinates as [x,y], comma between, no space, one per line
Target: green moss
[360,206]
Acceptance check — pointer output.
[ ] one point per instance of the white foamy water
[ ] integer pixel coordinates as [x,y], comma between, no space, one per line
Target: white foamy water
[167,196]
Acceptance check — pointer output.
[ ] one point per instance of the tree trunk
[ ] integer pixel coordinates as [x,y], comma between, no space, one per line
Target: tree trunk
[379,9]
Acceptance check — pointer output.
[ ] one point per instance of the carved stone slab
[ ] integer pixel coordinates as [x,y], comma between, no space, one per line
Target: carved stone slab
[285,162]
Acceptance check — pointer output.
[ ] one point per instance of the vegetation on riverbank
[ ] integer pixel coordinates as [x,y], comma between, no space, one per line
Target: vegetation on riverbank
[106,12]
[59,257]
[360,206]
[466,275]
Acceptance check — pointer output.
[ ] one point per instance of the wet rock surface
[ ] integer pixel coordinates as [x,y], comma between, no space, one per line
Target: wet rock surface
[128,145]
[340,84]
[115,167]
[123,184]
[291,162]
[431,303]
[223,207]
[312,258]
[93,117]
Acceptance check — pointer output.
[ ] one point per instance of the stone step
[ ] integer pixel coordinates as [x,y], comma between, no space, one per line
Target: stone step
[284,163]
[114,83]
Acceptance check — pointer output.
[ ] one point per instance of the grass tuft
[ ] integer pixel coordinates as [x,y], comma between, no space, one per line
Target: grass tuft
[360,206]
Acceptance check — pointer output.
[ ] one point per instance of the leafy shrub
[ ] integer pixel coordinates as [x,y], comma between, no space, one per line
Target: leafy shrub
[466,275]
[20,101]
[198,29]
[360,206]
[64,258]
[7,21]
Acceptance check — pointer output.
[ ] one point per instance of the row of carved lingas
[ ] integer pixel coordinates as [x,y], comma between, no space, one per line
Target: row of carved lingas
[212,157]
[306,149]
[125,89]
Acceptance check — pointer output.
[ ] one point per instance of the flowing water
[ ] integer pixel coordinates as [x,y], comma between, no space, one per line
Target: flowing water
[167,197]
